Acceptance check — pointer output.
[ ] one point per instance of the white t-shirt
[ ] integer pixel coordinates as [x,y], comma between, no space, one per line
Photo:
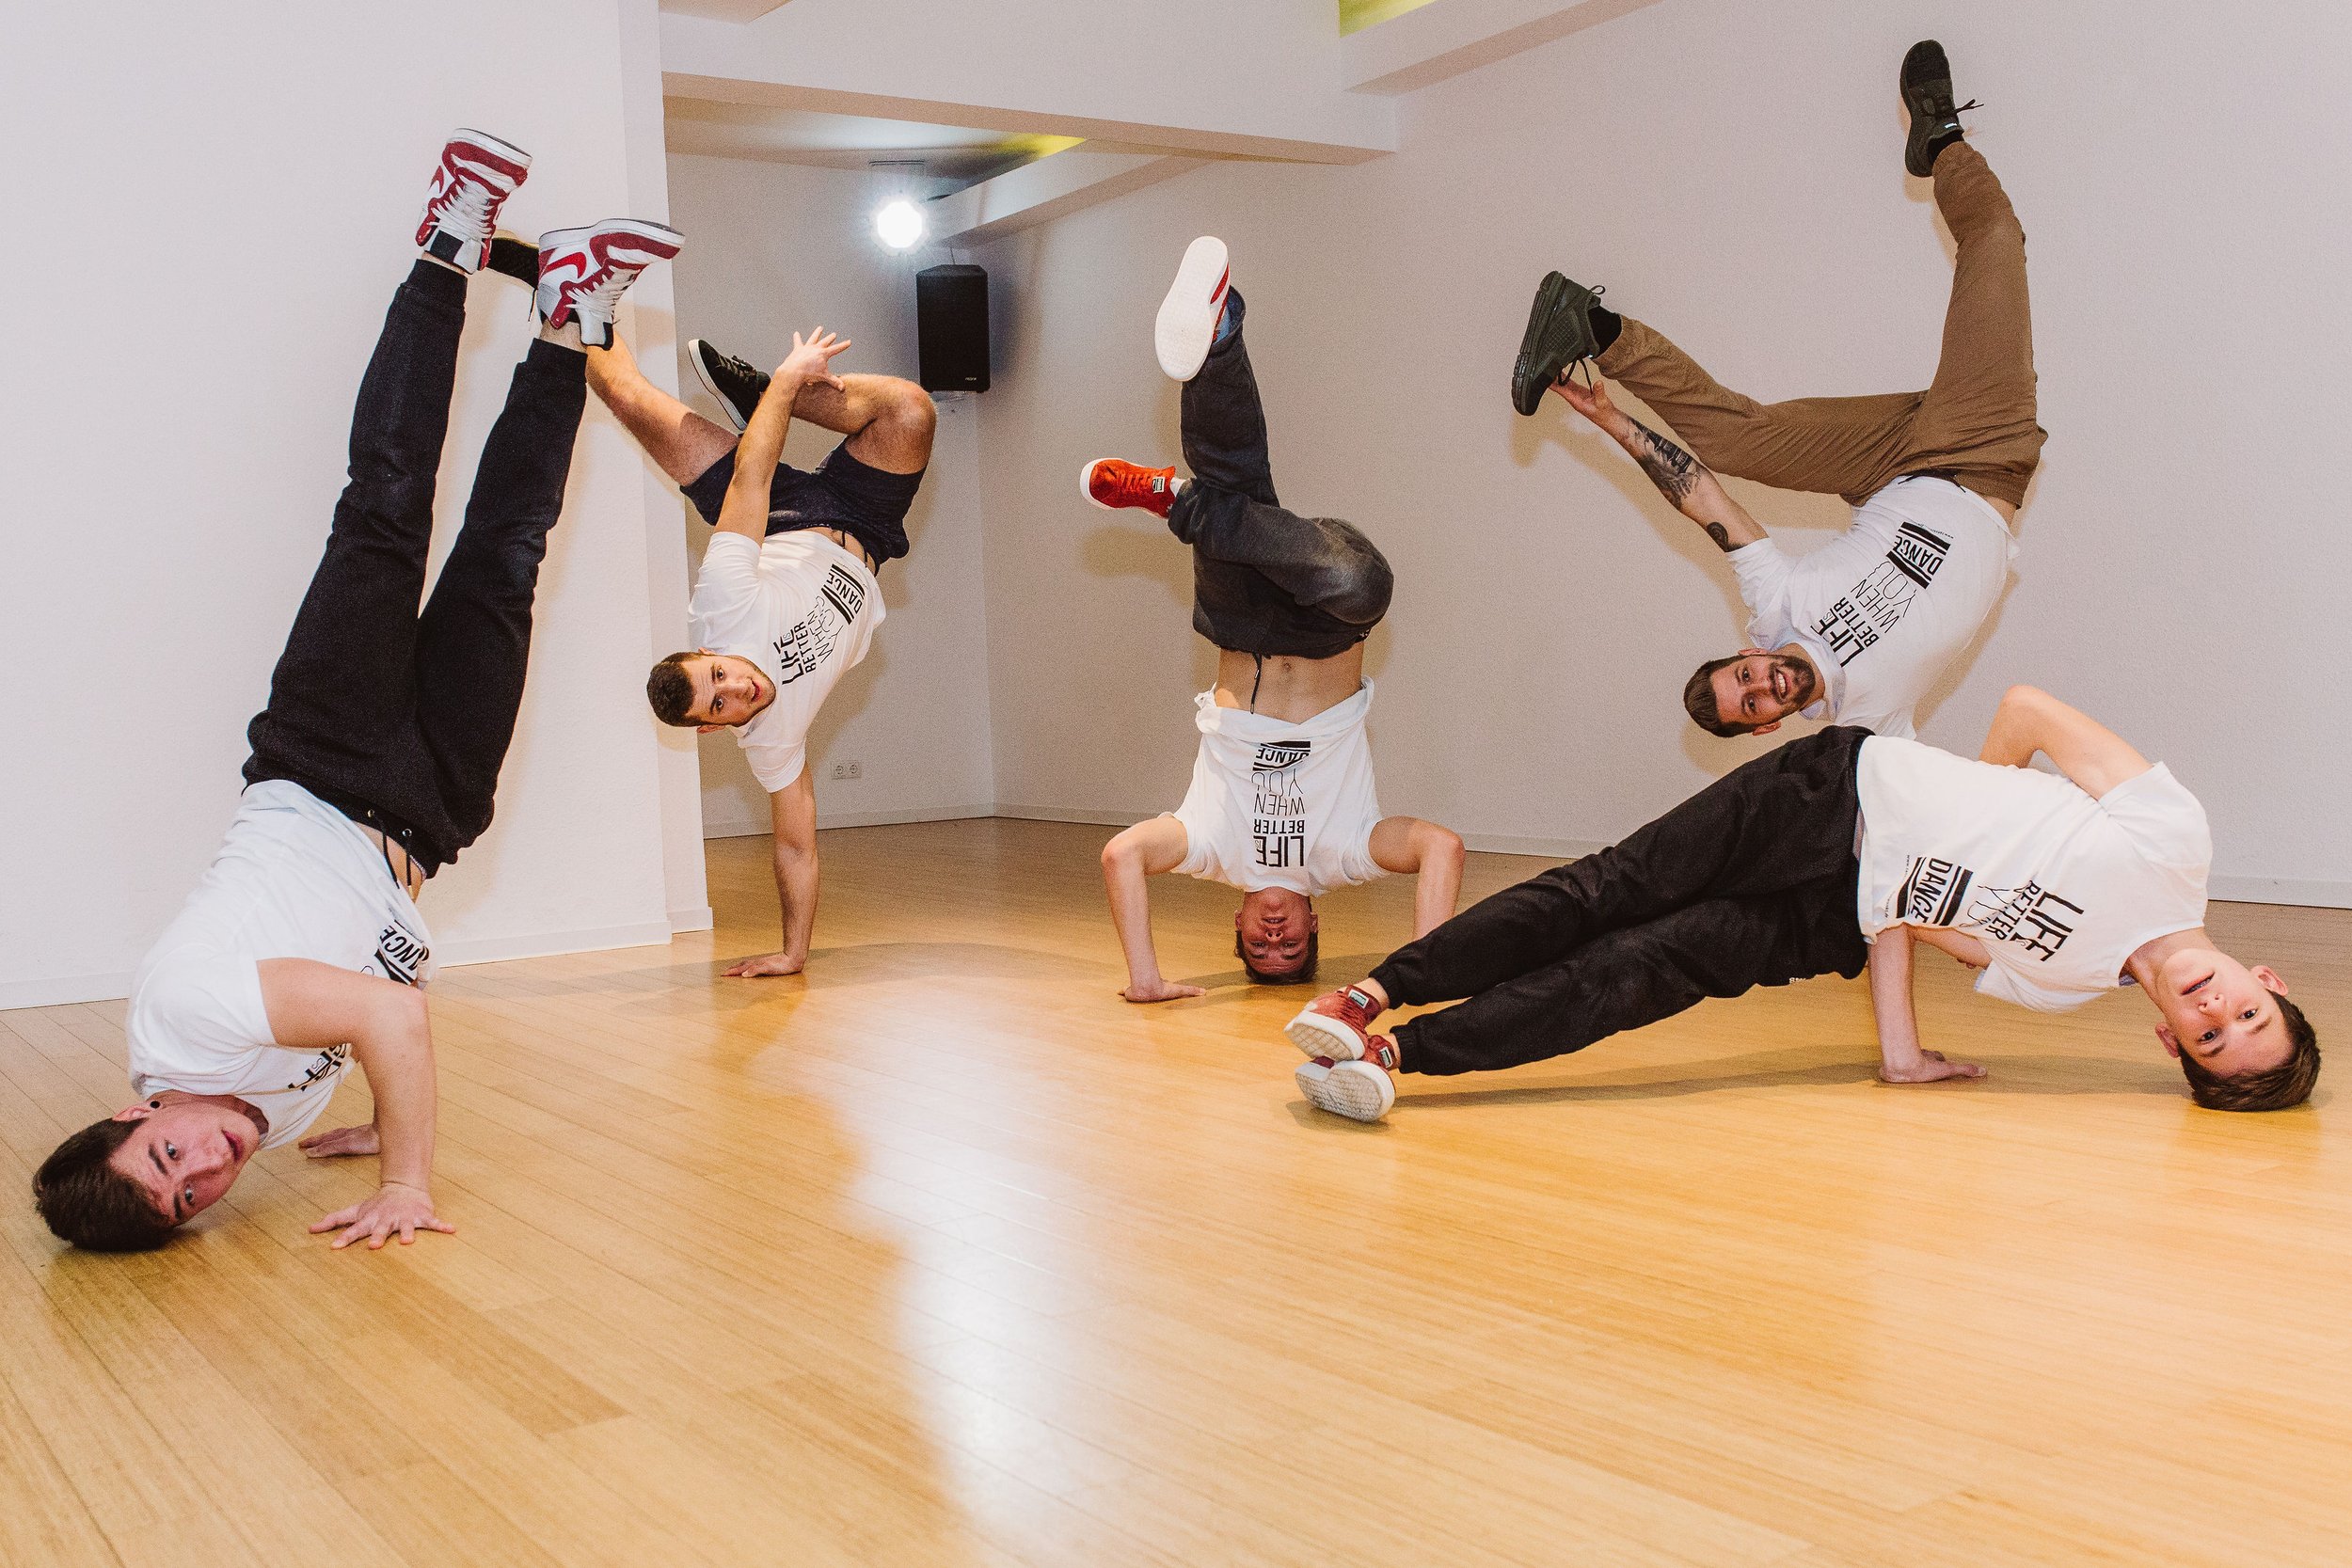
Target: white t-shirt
[2059,888]
[295,879]
[801,608]
[1275,804]
[1884,606]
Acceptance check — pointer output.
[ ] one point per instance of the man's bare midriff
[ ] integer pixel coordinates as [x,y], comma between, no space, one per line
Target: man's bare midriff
[848,542]
[1290,690]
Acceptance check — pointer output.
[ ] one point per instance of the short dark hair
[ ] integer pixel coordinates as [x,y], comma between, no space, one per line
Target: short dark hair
[1299,976]
[671,690]
[1698,701]
[2274,1088]
[92,1204]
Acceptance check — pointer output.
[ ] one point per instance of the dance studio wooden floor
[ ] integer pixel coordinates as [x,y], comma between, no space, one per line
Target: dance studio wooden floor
[945,1256]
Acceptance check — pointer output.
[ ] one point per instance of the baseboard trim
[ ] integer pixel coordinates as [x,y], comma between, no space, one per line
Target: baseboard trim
[699,918]
[540,944]
[63,989]
[2280,890]
[863,819]
[1070,813]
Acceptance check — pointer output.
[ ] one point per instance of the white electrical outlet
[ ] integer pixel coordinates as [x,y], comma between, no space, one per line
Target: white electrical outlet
[848,771]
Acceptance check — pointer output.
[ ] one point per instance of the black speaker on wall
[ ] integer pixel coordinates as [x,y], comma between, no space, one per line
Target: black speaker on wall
[951,326]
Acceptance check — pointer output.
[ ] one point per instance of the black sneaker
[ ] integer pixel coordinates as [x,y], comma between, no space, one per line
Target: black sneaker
[736,385]
[1927,83]
[1559,333]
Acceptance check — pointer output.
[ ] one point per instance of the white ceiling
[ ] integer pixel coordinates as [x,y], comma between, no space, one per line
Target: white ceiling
[953,156]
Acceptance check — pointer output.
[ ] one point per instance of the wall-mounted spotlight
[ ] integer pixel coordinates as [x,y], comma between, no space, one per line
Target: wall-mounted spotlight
[899,224]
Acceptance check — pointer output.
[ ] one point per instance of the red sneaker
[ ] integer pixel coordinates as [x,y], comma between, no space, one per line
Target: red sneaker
[583,272]
[477,174]
[1111,482]
[1338,1024]
[1356,1090]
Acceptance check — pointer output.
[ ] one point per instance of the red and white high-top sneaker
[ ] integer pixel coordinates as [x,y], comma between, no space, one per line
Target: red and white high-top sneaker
[1338,1024]
[477,174]
[1111,482]
[1187,327]
[1356,1090]
[583,272]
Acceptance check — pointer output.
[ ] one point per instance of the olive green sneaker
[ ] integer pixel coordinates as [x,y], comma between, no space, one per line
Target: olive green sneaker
[1559,333]
[1927,84]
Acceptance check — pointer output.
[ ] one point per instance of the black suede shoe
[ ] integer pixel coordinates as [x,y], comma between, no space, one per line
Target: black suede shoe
[736,385]
[1559,333]
[1927,83]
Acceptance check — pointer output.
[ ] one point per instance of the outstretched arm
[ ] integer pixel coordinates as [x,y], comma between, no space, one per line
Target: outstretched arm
[792,820]
[2093,756]
[745,508]
[1902,1058]
[1682,478]
[1129,860]
[318,1006]
[1406,844]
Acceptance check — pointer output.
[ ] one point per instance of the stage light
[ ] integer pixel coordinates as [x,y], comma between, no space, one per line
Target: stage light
[899,224]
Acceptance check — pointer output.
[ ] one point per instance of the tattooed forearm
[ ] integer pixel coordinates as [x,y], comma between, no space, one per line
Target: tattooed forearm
[1721,536]
[1675,472]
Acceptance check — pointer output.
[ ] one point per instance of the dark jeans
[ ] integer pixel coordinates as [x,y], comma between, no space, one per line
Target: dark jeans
[401,719]
[1749,883]
[1264,581]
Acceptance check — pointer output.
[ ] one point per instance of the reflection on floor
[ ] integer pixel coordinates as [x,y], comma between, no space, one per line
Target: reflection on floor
[943,1255]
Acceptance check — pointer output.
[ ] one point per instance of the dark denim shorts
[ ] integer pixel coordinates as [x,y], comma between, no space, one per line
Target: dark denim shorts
[868,504]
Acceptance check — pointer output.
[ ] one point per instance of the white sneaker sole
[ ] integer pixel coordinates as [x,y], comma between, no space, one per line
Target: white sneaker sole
[488,143]
[1356,1090]
[1085,484]
[694,358]
[1318,1035]
[1187,320]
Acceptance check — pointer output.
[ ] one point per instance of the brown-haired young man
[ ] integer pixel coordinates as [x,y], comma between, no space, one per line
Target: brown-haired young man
[786,601]
[1836,851]
[376,762]
[1281,804]
[1857,630]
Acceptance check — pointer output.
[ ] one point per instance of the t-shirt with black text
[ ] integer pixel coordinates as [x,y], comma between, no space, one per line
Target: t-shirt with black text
[1277,803]
[295,879]
[2060,888]
[1884,608]
[801,608]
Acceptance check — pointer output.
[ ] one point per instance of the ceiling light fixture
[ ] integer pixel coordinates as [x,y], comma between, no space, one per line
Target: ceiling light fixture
[899,224]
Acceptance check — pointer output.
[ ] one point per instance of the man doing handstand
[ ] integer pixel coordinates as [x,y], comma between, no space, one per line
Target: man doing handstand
[1281,804]
[1837,850]
[785,600]
[1858,631]
[375,763]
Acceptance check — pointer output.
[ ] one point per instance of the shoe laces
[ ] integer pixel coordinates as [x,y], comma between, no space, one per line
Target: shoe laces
[464,207]
[599,295]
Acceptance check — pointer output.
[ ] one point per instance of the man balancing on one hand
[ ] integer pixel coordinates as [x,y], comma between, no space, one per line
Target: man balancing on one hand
[787,599]
[1281,804]
[373,766]
[1859,629]
[1836,851]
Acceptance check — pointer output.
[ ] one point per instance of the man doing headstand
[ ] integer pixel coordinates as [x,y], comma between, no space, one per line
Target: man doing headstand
[785,600]
[1281,804]
[375,763]
[1837,850]
[1859,629]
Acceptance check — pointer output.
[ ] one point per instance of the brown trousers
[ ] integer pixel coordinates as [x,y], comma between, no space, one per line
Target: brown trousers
[1975,423]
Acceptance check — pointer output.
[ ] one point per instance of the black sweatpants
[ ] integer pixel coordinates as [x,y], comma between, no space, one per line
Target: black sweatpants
[1749,883]
[1265,580]
[401,719]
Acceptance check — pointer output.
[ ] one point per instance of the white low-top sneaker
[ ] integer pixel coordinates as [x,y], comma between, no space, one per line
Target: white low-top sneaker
[1187,320]
[1355,1090]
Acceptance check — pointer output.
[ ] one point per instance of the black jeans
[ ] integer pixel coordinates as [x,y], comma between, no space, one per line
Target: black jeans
[400,719]
[1264,581]
[1749,883]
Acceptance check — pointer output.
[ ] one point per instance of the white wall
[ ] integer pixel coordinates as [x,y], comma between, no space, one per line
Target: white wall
[215,207]
[1732,172]
[774,249]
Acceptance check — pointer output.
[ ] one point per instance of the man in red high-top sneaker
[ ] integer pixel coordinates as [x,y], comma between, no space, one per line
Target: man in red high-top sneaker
[1281,803]
[373,766]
